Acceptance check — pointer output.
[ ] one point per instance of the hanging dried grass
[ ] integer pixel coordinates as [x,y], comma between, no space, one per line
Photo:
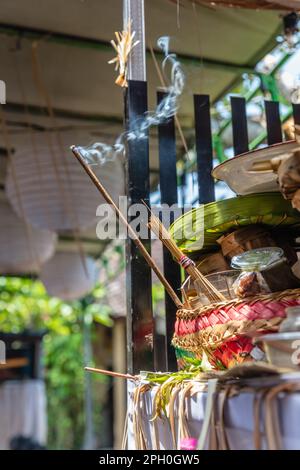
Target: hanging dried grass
[123,47]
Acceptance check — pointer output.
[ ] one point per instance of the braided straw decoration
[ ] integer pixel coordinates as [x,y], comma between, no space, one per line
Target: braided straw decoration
[188,314]
[212,337]
[214,334]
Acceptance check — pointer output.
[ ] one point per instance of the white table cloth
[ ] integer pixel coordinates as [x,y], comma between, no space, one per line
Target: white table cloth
[22,411]
[239,421]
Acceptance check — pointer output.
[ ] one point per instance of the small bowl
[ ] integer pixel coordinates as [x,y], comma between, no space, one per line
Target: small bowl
[222,281]
[282,349]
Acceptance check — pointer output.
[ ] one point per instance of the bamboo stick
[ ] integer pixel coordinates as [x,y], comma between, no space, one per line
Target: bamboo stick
[160,231]
[176,119]
[111,373]
[132,233]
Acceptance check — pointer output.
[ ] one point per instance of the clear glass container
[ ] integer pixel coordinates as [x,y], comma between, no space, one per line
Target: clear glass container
[257,259]
[250,282]
[223,281]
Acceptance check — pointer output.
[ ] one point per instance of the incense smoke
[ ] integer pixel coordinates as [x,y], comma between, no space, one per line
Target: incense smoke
[99,152]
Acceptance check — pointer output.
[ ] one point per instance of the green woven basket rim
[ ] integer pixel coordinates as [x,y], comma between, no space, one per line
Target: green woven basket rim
[220,217]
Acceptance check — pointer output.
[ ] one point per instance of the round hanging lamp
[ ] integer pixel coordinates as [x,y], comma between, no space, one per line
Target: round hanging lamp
[69,277]
[23,248]
[51,191]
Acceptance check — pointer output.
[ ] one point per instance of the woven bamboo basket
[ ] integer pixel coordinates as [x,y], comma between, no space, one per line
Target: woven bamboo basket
[224,330]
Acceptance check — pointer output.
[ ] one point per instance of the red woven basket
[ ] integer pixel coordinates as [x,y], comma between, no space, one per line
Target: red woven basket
[224,330]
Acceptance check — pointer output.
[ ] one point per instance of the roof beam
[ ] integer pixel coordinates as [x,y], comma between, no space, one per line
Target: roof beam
[267,47]
[99,44]
[35,110]
[41,111]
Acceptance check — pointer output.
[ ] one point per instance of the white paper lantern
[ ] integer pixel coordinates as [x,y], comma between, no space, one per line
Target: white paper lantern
[67,277]
[55,191]
[22,248]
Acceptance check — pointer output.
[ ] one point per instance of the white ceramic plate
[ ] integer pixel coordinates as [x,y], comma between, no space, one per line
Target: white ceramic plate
[239,175]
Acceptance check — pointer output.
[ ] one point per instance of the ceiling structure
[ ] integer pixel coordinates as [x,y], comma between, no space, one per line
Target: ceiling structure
[282,5]
[215,47]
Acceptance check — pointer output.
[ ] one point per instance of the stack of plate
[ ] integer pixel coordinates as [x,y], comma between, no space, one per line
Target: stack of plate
[240,172]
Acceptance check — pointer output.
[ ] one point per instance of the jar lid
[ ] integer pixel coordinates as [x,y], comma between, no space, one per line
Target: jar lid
[257,259]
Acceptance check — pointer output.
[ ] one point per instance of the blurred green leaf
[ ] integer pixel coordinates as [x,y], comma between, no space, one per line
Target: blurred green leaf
[24,304]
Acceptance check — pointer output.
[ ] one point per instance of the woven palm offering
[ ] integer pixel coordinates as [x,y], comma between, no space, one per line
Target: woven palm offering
[218,329]
[244,239]
[223,331]
[287,168]
[219,334]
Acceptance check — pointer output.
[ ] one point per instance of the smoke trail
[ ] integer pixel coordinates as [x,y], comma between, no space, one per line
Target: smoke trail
[99,152]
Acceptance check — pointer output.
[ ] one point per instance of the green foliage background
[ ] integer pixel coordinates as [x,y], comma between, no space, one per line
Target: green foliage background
[24,304]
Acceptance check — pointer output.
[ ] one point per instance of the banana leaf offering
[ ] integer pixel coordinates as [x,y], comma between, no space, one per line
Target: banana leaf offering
[198,230]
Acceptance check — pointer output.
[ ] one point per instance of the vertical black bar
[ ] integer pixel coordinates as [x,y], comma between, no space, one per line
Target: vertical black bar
[169,196]
[274,131]
[37,355]
[296,113]
[239,125]
[204,151]
[138,274]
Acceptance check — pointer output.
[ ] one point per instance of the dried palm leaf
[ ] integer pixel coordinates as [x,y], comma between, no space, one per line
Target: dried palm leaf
[123,47]
[269,209]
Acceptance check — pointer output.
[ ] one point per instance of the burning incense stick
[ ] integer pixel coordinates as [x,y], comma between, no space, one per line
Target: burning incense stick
[112,374]
[132,233]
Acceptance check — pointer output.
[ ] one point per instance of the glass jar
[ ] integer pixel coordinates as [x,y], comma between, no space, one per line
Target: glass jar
[250,282]
[257,259]
[224,281]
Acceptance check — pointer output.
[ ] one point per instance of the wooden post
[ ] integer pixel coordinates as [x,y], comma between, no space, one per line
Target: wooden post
[239,125]
[296,113]
[273,122]
[204,149]
[140,325]
[133,10]
[168,189]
